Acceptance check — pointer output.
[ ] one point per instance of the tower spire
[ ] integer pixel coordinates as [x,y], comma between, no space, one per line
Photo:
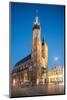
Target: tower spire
[36,20]
[36,24]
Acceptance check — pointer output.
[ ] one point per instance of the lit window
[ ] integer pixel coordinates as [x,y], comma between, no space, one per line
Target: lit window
[14,82]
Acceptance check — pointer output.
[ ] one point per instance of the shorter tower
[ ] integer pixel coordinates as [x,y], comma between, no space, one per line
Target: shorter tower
[45,52]
[44,64]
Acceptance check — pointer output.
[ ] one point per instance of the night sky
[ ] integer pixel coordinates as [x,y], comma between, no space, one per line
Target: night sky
[51,18]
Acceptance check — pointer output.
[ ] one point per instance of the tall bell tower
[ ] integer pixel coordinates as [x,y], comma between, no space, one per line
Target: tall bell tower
[36,50]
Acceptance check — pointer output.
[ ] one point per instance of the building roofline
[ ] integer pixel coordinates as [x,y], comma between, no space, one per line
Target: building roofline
[23,60]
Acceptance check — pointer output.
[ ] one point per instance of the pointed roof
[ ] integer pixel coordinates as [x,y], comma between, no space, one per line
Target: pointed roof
[43,40]
[36,20]
[36,23]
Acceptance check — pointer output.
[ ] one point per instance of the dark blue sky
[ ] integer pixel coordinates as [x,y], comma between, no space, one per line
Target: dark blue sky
[51,18]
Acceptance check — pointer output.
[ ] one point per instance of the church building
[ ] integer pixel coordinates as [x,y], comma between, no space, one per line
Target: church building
[33,69]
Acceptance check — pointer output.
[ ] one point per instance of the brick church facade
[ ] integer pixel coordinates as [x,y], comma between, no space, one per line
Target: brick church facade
[33,68]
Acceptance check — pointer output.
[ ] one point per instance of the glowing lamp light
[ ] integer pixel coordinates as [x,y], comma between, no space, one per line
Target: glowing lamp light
[14,82]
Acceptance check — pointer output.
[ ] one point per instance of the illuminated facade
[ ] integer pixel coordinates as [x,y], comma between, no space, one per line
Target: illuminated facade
[33,68]
[56,75]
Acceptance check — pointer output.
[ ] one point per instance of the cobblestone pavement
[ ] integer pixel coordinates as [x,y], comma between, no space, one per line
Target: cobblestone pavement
[36,90]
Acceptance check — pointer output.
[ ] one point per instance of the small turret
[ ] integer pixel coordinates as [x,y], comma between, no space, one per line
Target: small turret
[43,47]
[43,41]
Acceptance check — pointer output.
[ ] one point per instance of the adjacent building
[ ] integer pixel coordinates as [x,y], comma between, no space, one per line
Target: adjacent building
[56,74]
